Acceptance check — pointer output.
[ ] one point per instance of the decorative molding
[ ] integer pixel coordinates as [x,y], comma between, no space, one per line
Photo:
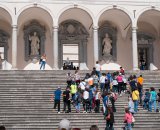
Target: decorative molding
[145,38]
[73,32]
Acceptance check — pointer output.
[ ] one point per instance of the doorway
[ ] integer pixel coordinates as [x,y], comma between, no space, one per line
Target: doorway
[71,54]
[145,57]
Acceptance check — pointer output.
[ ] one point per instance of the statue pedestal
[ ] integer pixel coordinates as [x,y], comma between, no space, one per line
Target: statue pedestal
[36,66]
[110,66]
[83,66]
[107,58]
[152,67]
[7,66]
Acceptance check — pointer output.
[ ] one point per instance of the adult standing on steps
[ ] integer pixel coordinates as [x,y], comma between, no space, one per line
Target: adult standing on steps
[140,87]
[109,119]
[153,99]
[57,97]
[98,69]
[43,61]
[135,97]
[67,100]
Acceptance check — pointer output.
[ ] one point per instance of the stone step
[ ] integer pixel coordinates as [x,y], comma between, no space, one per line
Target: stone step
[25,102]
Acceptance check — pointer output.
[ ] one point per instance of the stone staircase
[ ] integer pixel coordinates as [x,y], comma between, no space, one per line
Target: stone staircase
[25,103]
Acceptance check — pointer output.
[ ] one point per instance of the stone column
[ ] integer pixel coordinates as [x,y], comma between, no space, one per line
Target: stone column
[134,48]
[55,48]
[95,43]
[14,47]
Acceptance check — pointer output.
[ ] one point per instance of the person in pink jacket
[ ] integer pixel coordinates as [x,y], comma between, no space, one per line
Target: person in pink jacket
[128,119]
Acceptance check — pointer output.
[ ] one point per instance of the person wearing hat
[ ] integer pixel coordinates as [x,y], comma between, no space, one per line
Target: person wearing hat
[57,97]
[64,125]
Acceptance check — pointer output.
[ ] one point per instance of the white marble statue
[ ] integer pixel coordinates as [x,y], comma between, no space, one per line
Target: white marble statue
[34,44]
[106,45]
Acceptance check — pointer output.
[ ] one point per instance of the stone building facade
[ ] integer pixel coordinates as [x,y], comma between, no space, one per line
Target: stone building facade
[132,26]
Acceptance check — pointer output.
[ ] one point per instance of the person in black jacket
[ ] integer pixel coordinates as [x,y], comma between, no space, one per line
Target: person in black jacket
[66,100]
[109,119]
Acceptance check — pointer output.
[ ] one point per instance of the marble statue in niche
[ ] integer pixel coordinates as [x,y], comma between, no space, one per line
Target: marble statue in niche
[35,44]
[106,43]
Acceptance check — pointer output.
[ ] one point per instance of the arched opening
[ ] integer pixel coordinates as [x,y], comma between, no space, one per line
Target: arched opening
[72,44]
[77,24]
[115,23]
[34,20]
[148,39]
[5,35]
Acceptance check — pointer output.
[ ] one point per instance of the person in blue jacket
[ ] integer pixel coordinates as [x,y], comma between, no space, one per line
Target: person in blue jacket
[57,98]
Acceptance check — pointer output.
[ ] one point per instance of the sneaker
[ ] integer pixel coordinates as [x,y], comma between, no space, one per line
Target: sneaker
[84,111]
[59,112]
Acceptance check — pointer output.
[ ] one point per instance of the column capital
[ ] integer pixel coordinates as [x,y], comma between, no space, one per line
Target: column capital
[55,27]
[95,27]
[134,28]
[14,26]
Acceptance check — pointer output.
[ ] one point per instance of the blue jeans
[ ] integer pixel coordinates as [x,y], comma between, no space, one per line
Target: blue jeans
[78,107]
[42,65]
[102,86]
[99,74]
[146,104]
[128,126]
[151,103]
[135,105]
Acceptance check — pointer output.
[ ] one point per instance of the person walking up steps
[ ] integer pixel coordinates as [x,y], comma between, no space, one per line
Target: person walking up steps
[57,97]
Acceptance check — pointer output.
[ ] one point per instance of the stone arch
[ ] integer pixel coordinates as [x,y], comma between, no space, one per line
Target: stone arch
[73,32]
[141,12]
[29,30]
[9,12]
[37,6]
[148,21]
[25,17]
[75,6]
[123,12]
[127,12]
[115,27]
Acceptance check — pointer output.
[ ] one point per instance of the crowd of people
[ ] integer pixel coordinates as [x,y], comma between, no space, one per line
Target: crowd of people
[104,88]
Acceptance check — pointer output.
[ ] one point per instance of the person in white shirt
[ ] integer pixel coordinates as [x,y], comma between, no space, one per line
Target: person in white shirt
[97,98]
[114,85]
[102,81]
[82,85]
[98,69]
[86,101]
[124,84]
